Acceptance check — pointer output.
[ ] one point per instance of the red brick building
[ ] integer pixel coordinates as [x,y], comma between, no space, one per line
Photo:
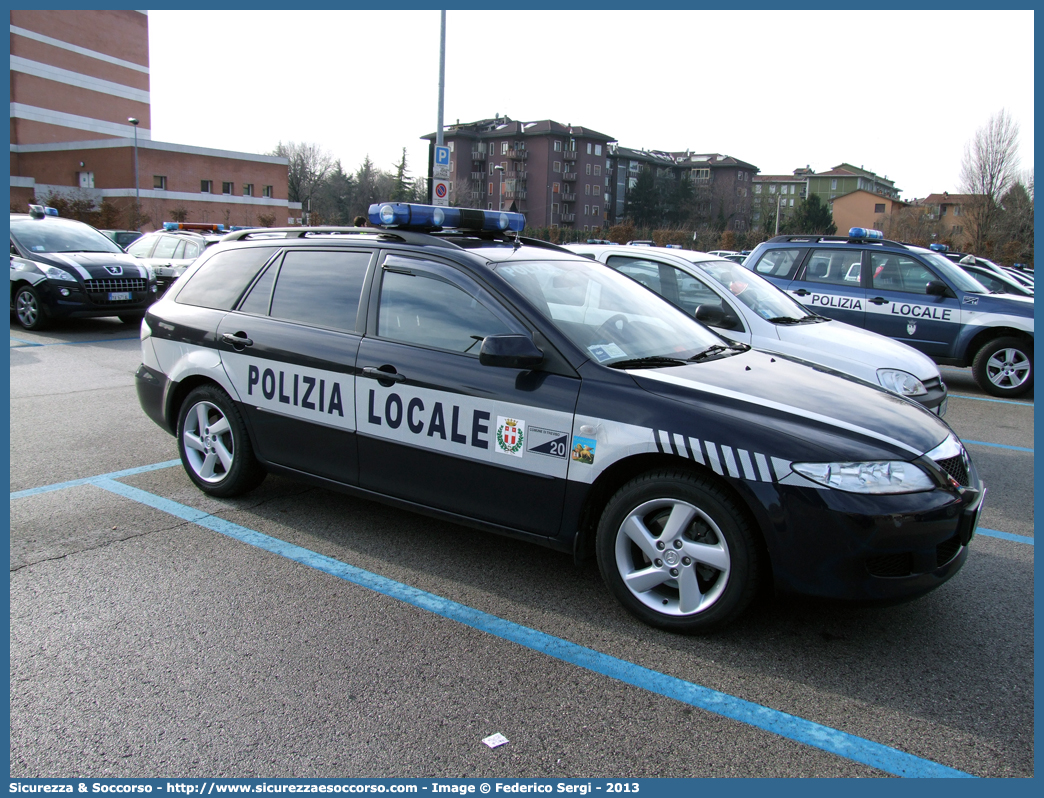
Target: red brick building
[77,77]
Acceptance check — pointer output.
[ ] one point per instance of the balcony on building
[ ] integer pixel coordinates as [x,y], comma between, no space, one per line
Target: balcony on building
[520,175]
[569,155]
[516,194]
[568,218]
[569,177]
[567,197]
[516,155]
[476,155]
[480,176]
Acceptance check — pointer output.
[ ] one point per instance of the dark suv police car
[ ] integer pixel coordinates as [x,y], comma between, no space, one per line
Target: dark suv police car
[911,294]
[443,364]
[63,268]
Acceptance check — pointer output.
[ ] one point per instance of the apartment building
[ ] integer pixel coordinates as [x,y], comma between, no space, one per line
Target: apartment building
[845,178]
[77,79]
[778,194]
[555,174]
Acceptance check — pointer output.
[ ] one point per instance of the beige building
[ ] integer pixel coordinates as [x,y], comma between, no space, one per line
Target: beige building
[862,208]
[77,78]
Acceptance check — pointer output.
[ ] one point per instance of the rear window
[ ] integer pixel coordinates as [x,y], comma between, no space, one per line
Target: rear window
[222,280]
[781,263]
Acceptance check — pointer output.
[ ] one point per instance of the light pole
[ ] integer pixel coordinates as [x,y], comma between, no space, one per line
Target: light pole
[778,198]
[137,184]
[500,188]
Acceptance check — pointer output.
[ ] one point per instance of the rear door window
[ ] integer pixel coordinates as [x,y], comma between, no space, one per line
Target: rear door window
[835,267]
[780,263]
[221,280]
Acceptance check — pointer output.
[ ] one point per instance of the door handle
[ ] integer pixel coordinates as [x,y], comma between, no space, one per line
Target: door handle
[237,341]
[802,292]
[383,376]
[878,300]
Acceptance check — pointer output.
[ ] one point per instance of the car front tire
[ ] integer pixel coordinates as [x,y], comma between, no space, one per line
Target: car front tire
[214,445]
[678,552]
[29,309]
[1004,367]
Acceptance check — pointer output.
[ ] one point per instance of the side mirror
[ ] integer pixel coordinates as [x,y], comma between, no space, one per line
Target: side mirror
[937,288]
[711,315]
[510,351]
[14,251]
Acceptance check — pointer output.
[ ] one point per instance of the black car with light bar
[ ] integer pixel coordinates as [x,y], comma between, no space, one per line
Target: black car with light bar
[442,363]
[61,268]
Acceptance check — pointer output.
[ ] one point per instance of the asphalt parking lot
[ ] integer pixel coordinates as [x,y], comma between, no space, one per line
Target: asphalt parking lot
[302,633]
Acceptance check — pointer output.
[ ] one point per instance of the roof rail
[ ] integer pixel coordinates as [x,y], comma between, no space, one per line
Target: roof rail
[817,239]
[405,236]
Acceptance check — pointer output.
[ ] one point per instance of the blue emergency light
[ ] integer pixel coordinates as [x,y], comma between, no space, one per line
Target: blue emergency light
[210,228]
[433,217]
[39,211]
[938,248]
[864,232]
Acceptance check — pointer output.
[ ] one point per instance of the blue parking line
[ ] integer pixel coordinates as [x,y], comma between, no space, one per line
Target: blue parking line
[837,742]
[993,533]
[75,343]
[91,480]
[999,446]
[984,399]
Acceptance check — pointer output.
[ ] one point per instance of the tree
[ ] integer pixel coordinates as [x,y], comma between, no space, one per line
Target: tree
[1013,230]
[643,201]
[812,217]
[403,190]
[179,214]
[308,167]
[990,167]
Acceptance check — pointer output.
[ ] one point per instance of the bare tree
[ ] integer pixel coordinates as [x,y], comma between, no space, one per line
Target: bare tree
[308,168]
[990,166]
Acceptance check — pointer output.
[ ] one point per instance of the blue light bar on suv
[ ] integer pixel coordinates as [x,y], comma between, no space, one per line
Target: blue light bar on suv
[433,217]
[864,232]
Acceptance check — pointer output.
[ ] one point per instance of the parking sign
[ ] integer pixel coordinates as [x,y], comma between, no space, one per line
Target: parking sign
[440,192]
[441,166]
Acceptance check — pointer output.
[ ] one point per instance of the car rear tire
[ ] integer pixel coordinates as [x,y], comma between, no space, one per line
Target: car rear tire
[1004,367]
[214,445]
[29,309]
[678,552]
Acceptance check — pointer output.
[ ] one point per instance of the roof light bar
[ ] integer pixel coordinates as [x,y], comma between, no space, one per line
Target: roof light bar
[433,217]
[215,228]
[864,232]
[39,211]
[939,247]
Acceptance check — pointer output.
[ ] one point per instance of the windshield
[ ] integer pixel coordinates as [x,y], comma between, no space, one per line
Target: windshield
[954,273]
[606,314]
[753,290]
[50,235]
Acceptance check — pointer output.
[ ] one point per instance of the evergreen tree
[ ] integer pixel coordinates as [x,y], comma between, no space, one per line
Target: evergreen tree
[812,217]
[403,190]
[643,200]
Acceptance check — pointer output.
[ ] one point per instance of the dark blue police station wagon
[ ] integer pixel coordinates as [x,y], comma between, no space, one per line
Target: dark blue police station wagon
[443,346]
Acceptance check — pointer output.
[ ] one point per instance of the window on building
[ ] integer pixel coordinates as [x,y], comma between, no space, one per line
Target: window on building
[490,188]
[598,169]
[206,186]
[598,149]
[558,146]
[588,168]
[793,189]
[159,182]
[554,207]
[772,189]
[879,207]
[757,189]
[555,188]
[453,165]
[588,148]
[833,183]
[587,210]
[503,148]
[587,189]
[558,166]
[450,145]
[595,189]
[267,191]
[701,174]
[226,188]
[956,209]
[248,189]
[792,203]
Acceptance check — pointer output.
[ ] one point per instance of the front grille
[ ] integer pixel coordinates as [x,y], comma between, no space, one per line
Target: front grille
[98,290]
[891,564]
[947,550]
[954,466]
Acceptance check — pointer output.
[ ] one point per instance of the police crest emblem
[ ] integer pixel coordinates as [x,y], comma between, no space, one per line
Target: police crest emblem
[511,434]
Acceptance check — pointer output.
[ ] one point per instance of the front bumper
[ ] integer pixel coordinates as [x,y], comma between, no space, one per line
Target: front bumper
[935,399]
[73,301]
[870,548]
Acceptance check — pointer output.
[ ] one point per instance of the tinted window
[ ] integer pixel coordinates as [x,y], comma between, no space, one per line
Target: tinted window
[780,263]
[223,278]
[59,235]
[427,310]
[320,288]
[834,266]
[894,272]
[191,250]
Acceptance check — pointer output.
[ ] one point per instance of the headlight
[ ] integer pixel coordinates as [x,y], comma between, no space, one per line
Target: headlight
[901,382]
[889,476]
[56,274]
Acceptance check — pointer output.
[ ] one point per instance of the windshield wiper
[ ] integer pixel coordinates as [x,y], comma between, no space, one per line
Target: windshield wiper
[655,361]
[718,350]
[803,320]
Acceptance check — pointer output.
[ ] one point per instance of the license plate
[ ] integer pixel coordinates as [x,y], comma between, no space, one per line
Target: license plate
[119,296]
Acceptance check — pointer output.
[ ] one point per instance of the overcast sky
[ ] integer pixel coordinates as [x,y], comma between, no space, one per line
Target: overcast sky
[776,89]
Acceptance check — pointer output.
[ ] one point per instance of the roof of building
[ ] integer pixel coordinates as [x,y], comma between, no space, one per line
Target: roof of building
[947,199]
[779,179]
[716,160]
[872,194]
[506,126]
